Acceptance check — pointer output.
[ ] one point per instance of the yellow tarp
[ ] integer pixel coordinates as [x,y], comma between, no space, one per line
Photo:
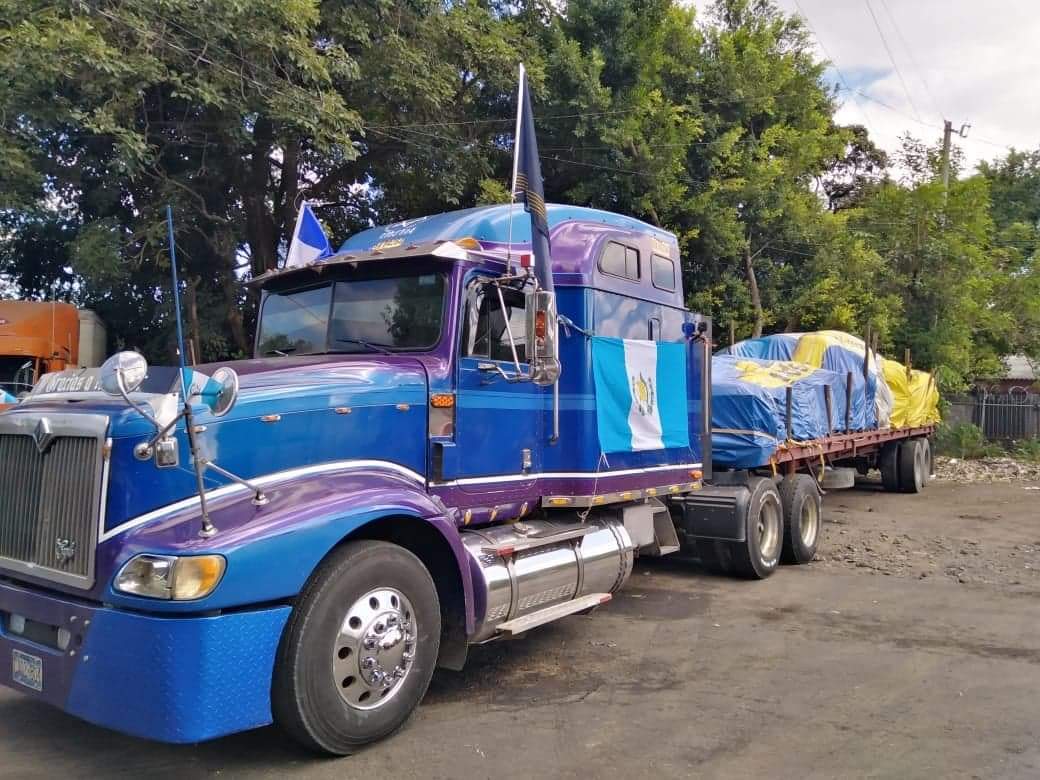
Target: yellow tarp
[780,373]
[812,347]
[915,397]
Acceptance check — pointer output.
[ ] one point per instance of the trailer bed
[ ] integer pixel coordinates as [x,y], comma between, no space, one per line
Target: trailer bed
[845,445]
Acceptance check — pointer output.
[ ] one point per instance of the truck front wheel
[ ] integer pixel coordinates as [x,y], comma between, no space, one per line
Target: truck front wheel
[360,648]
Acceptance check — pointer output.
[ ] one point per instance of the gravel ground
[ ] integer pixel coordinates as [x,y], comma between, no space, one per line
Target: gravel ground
[911,649]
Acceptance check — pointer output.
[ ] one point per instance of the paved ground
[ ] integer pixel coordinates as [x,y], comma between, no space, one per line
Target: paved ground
[912,649]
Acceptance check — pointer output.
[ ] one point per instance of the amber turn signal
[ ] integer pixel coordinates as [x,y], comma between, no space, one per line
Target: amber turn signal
[442,400]
[696,473]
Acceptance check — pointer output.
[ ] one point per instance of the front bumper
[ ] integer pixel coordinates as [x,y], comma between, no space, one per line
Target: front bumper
[175,679]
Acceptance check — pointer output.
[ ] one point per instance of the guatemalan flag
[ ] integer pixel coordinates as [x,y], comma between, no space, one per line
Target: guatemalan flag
[309,242]
[640,394]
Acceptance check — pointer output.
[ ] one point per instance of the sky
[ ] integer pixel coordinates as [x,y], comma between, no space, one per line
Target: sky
[973,62]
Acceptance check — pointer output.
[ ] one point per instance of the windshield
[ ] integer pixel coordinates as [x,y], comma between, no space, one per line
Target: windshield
[399,313]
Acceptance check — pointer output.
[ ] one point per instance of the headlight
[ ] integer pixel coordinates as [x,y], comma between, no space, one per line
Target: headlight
[171,577]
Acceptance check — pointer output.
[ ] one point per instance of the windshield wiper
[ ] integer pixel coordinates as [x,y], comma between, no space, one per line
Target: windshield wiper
[284,352]
[367,345]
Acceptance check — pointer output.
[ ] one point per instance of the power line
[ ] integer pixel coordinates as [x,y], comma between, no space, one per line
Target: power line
[892,59]
[913,60]
[833,62]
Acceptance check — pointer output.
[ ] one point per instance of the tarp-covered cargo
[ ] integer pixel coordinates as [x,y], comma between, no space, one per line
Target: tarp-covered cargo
[835,351]
[780,346]
[914,394]
[749,407]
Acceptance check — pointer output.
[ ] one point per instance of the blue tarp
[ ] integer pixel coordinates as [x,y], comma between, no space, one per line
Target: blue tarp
[7,398]
[778,347]
[830,349]
[749,407]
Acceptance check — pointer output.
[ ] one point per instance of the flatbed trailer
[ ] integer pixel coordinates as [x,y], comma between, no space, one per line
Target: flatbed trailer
[843,446]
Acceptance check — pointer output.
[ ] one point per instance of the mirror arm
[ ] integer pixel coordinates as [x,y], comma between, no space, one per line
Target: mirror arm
[163,432]
[133,404]
[259,498]
[509,329]
[494,368]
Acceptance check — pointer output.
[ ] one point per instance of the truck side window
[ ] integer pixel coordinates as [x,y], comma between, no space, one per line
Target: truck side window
[662,272]
[484,331]
[620,260]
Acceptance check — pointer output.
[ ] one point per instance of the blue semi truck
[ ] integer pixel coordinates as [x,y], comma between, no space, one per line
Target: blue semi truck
[424,453]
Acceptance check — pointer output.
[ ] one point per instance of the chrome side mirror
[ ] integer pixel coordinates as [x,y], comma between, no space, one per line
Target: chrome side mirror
[221,391]
[123,373]
[543,341]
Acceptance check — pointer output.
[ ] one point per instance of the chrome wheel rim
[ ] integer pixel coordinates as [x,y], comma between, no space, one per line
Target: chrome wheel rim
[768,530]
[809,522]
[375,649]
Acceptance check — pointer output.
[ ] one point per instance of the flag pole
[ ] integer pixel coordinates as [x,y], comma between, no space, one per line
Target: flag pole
[516,166]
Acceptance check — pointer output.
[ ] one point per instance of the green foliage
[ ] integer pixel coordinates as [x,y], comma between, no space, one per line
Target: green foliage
[717,126]
[1027,450]
[965,441]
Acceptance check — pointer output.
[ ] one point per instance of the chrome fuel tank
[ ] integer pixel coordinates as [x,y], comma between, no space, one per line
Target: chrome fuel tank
[524,567]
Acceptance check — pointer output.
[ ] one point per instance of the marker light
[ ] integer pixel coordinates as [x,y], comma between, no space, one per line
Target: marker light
[171,577]
[539,325]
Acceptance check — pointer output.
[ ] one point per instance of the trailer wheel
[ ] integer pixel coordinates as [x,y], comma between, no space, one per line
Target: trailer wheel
[803,515]
[759,554]
[925,445]
[911,466]
[359,650]
[888,463]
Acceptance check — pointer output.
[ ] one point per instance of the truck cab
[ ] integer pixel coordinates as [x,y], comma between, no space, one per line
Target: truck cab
[409,464]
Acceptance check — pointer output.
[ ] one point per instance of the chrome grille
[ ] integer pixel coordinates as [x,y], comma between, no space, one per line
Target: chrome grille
[52,475]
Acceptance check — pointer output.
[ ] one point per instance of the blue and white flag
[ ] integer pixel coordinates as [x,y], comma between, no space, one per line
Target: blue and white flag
[309,242]
[640,394]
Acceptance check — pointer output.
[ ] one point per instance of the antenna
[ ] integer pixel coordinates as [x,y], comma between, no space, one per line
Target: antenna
[208,528]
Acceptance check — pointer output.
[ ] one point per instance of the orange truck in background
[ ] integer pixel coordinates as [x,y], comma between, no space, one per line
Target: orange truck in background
[38,337]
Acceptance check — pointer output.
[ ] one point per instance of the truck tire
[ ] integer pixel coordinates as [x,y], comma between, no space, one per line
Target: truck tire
[803,518]
[888,463]
[360,647]
[911,466]
[926,447]
[759,554]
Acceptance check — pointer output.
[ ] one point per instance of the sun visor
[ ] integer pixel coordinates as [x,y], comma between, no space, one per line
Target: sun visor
[396,249]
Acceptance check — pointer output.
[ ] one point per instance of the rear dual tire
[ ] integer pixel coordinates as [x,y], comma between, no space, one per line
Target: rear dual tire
[758,555]
[803,518]
[906,466]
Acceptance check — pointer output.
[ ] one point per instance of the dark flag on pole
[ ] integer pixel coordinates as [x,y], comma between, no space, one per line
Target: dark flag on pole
[527,184]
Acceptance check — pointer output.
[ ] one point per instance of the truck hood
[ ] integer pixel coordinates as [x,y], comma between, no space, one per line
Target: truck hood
[291,413]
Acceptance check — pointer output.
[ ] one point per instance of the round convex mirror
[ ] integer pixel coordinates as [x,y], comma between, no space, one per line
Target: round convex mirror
[123,373]
[224,394]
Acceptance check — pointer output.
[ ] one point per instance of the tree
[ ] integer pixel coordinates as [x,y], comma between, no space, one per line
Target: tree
[851,176]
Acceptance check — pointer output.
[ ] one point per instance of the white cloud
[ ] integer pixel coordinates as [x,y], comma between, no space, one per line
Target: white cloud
[963,60]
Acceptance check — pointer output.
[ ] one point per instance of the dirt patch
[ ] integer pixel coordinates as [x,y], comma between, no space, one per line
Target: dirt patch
[986,470]
[967,533]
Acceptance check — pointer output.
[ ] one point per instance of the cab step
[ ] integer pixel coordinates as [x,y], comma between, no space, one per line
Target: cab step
[549,614]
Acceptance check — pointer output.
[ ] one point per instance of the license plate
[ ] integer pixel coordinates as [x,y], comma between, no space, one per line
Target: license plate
[27,670]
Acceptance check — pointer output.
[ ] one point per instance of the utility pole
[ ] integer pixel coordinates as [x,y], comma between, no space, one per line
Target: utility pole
[947,133]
